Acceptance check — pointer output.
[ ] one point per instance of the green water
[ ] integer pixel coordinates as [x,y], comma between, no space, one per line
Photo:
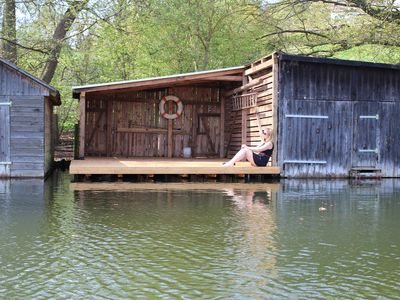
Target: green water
[269,242]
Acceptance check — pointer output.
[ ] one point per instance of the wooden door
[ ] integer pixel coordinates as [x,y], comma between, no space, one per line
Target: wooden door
[5,159]
[208,134]
[366,135]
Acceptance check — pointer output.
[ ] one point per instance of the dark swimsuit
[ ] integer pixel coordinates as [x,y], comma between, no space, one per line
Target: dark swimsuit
[261,159]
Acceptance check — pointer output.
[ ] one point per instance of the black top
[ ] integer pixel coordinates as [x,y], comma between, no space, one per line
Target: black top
[267,152]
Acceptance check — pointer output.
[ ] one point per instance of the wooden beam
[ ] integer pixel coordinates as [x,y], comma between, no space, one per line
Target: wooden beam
[244,126]
[226,78]
[275,98]
[258,68]
[222,127]
[109,118]
[244,87]
[170,137]
[150,130]
[82,125]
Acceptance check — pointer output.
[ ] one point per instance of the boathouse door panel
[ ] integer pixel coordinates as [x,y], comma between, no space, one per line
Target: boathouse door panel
[306,132]
[366,134]
[5,158]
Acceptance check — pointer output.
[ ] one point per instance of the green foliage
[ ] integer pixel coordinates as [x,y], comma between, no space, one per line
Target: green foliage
[125,39]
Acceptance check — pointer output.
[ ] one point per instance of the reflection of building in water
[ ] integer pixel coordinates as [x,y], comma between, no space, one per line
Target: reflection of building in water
[257,222]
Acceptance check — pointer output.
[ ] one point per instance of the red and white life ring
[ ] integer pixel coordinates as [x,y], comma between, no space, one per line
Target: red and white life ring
[166,115]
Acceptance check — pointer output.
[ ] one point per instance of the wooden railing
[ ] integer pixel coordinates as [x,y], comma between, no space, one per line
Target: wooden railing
[244,101]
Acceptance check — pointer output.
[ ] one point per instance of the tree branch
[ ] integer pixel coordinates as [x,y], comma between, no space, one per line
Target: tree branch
[25,47]
[294,31]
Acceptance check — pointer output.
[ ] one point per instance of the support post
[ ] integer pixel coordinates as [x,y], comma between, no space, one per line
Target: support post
[222,128]
[244,126]
[275,95]
[82,123]
[170,129]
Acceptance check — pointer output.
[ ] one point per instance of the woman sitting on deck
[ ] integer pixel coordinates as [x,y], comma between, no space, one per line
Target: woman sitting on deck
[257,156]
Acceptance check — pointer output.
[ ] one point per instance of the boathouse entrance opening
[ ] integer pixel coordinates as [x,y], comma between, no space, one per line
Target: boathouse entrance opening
[366,135]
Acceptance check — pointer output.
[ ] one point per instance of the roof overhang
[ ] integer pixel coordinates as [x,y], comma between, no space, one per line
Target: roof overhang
[222,75]
[53,93]
[333,61]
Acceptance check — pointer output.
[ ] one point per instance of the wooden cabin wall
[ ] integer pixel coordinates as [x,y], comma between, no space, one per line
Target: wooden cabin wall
[322,123]
[244,123]
[27,136]
[25,121]
[129,124]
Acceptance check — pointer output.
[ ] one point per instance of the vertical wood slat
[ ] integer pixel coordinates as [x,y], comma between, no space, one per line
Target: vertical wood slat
[82,124]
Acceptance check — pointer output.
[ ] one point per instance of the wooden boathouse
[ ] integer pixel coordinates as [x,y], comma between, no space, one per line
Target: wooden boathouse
[26,123]
[330,118]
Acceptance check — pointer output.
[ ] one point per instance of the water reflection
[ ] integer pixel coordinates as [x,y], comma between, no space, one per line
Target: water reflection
[199,241]
[257,222]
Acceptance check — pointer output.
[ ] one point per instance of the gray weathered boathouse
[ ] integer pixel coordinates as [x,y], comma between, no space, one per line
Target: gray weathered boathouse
[26,123]
[337,117]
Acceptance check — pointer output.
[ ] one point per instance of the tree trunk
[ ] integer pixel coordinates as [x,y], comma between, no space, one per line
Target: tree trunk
[59,37]
[9,39]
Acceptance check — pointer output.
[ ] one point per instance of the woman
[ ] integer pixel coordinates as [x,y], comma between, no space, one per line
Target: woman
[257,156]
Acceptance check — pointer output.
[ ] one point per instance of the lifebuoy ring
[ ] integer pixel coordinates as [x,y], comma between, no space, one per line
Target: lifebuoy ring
[162,109]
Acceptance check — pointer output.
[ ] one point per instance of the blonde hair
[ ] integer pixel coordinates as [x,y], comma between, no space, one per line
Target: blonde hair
[268,134]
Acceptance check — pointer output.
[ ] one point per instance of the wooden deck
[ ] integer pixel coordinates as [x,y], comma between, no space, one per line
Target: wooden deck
[153,166]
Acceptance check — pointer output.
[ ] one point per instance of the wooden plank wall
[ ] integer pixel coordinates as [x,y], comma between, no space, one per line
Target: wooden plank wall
[334,91]
[259,78]
[129,124]
[27,136]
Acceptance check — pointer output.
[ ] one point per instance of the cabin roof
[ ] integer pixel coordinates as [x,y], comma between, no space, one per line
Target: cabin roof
[163,81]
[54,93]
[334,61]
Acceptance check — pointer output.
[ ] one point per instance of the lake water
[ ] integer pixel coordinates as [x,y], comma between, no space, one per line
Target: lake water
[289,240]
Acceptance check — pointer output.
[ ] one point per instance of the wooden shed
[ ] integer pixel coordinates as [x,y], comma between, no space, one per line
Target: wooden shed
[338,117]
[329,117]
[26,123]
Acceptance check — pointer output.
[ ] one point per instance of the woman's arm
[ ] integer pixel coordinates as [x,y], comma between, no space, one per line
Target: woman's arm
[262,147]
[253,148]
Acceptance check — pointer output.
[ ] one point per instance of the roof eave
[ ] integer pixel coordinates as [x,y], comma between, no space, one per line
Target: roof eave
[156,82]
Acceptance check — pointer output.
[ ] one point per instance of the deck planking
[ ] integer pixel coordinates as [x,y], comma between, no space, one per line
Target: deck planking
[156,166]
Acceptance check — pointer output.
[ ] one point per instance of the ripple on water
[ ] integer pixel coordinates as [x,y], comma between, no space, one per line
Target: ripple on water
[201,244]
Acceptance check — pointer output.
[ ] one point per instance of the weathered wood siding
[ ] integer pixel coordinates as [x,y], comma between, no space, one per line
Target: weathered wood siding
[129,124]
[332,117]
[27,136]
[26,122]
[245,123]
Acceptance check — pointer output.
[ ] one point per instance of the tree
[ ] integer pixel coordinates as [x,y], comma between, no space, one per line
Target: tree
[9,32]
[59,36]
[325,27]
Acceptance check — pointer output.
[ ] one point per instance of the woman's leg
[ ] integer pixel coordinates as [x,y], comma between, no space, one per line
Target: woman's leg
[242,154]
